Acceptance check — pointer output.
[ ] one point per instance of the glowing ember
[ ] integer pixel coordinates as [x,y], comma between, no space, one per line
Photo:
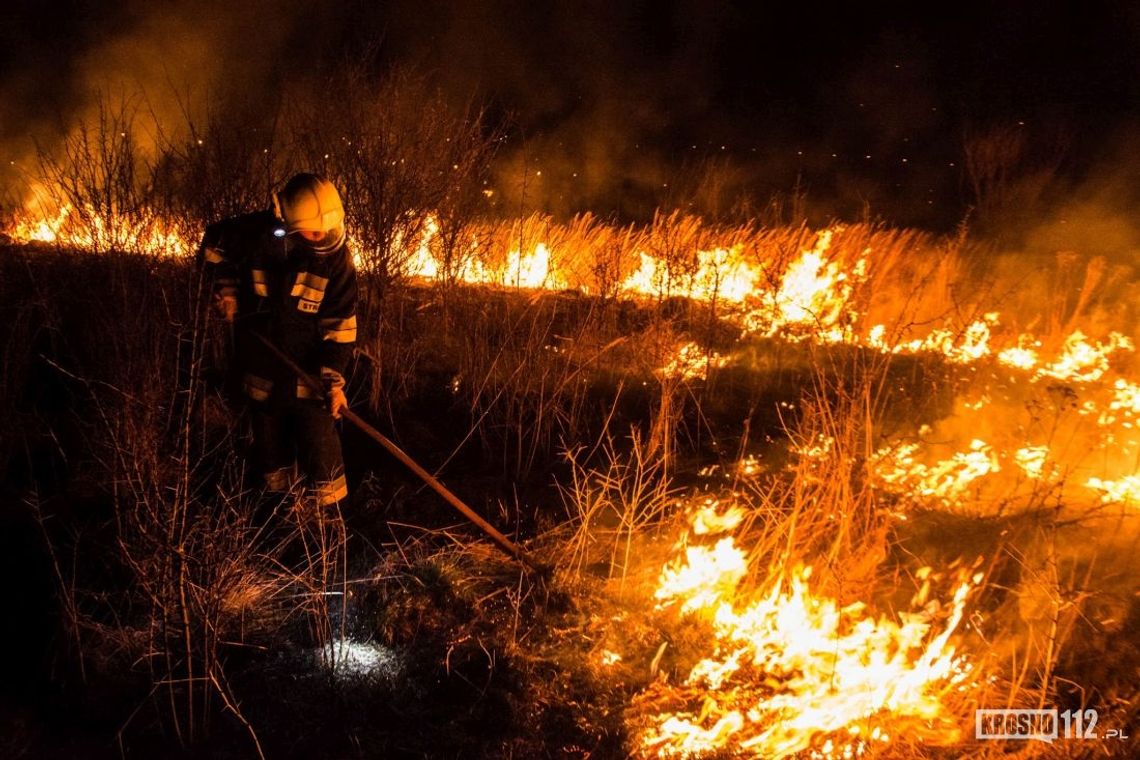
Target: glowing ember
[1031,459]
[1126,490]
[816,449]
[1023,356]
[691,362]
[898,470]
[1084,362]
[749,466]
[969,345]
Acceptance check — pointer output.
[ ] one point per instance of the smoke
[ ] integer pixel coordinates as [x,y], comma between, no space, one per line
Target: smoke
[167,63]
[601,96]
[1096,214]
[613,107]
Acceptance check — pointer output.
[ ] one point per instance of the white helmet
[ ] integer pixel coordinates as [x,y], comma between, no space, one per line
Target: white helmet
[310,203]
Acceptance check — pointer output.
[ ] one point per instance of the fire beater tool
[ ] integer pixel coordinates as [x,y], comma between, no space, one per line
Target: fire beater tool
[502,541]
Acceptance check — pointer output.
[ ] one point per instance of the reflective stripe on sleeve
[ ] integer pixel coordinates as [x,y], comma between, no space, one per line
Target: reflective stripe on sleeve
[260,282]
[309,286]
[308,294]
[339,330]
[304,391]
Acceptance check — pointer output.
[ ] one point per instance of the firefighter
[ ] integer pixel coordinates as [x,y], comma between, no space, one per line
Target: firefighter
[286,273]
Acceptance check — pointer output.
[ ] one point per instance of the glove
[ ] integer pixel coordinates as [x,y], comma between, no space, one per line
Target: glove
[337,402]
[333,382]
[226,306]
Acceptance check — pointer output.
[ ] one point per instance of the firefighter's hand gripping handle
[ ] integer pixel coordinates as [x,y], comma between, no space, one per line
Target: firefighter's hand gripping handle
[502,541]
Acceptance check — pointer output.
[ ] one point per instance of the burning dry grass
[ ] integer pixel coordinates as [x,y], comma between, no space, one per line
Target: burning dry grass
[795,663]
[871,288]
[796,673]
[724,643]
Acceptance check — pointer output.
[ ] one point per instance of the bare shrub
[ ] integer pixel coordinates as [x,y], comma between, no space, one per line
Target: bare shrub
[611,502]
[1010,174]
[399,153]
[96,184]
[219,168]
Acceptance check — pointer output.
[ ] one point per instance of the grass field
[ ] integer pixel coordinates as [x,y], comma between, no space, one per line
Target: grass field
[802,492]
[600,431]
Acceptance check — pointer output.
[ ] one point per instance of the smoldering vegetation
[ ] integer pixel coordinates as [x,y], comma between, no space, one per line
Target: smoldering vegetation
[166,607]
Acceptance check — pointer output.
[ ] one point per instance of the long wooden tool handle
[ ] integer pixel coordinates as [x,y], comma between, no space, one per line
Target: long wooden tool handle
[504,543]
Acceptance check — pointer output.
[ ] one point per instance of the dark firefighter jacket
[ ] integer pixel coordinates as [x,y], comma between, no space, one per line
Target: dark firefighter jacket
[303,301]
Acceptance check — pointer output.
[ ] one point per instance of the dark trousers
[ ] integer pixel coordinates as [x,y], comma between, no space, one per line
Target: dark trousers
[300,431]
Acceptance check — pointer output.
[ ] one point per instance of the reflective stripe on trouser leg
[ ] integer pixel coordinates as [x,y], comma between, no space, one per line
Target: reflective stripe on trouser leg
[279,480]
[319,447]
[304,391]
[328,492]
[257,388]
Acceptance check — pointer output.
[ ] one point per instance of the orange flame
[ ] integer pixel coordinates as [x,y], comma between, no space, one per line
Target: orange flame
[793,670]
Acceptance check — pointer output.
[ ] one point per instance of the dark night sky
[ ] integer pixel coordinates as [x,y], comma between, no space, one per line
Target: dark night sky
[863,105]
